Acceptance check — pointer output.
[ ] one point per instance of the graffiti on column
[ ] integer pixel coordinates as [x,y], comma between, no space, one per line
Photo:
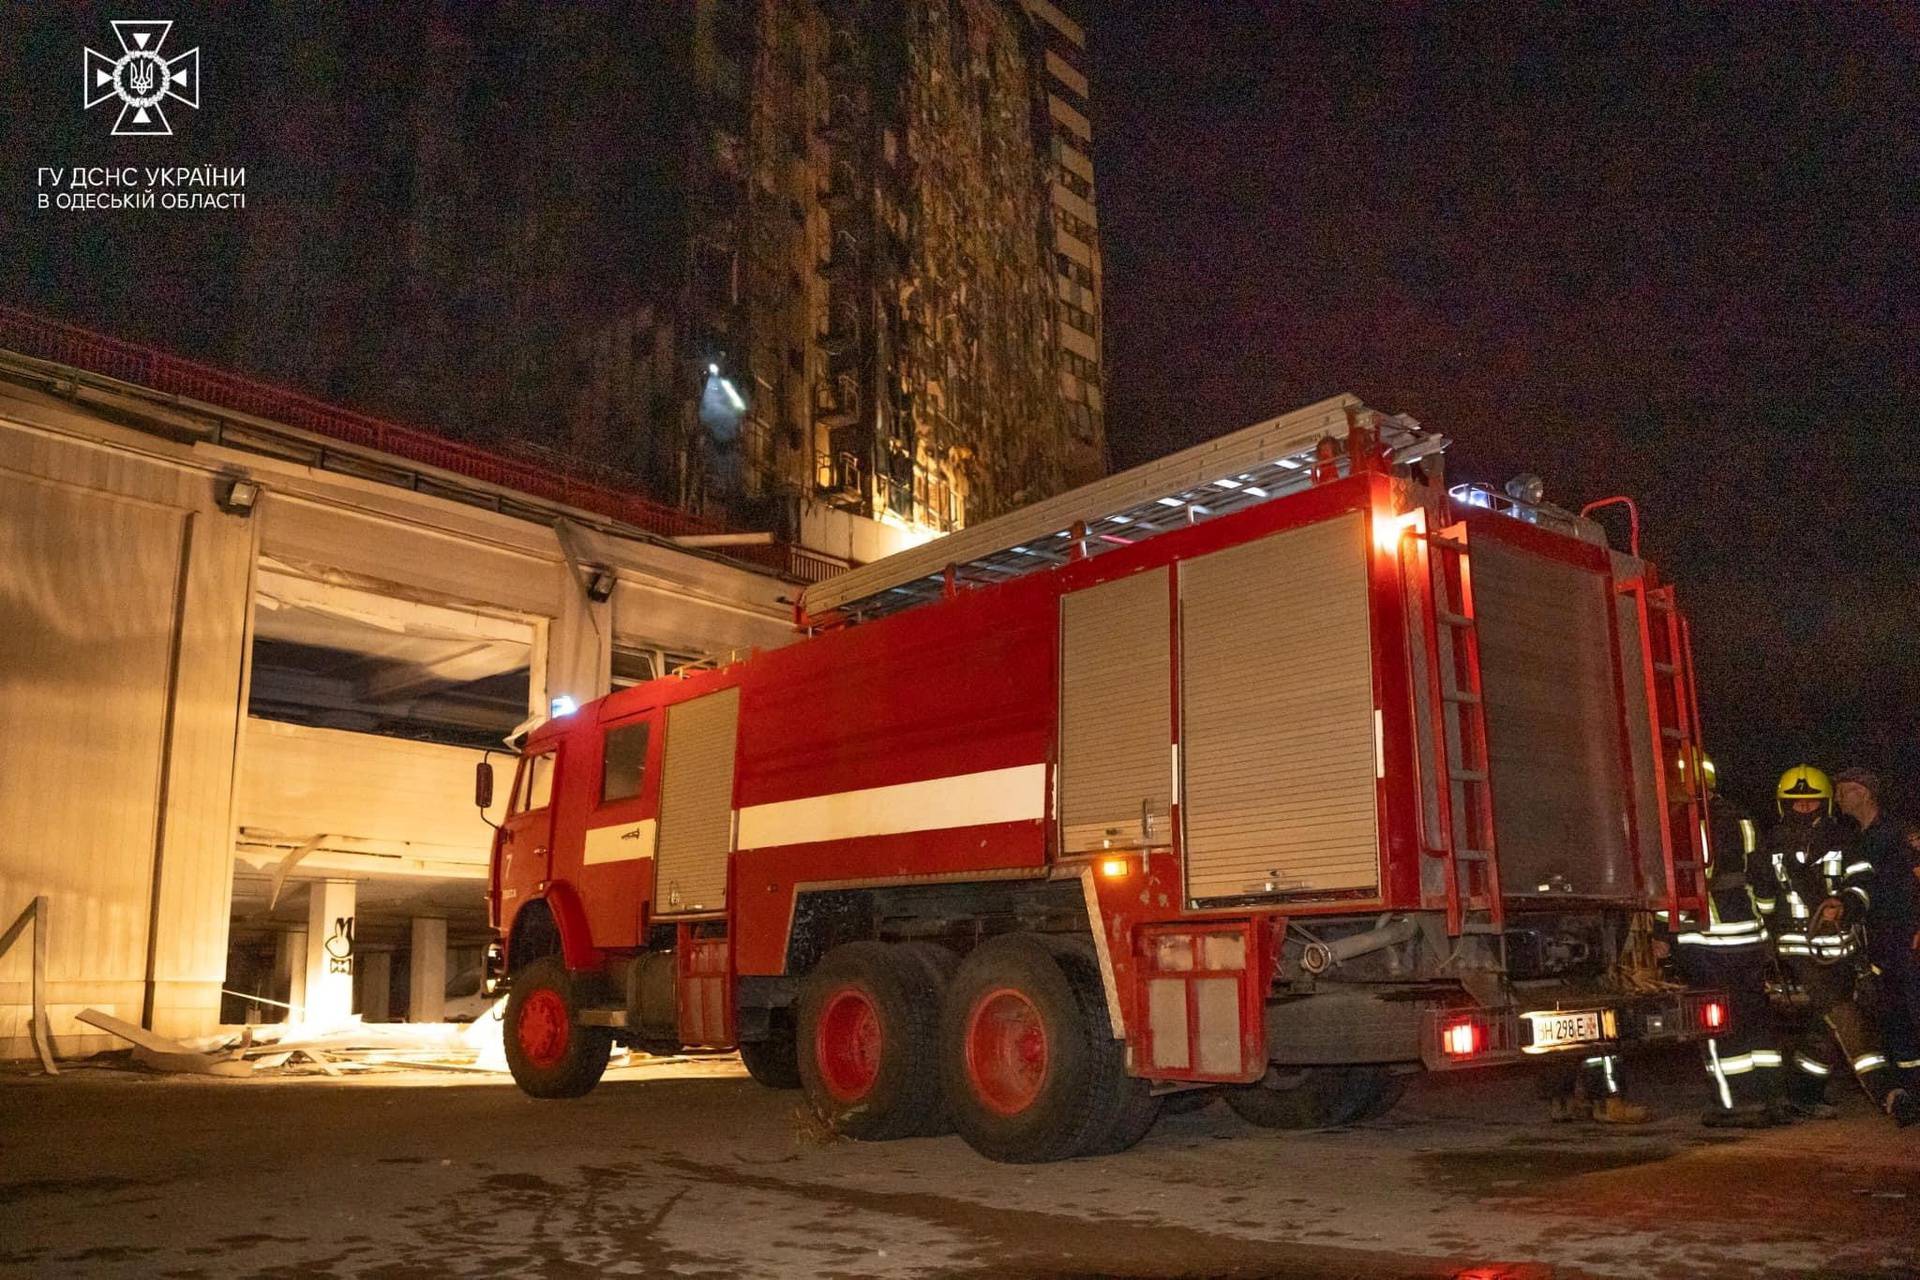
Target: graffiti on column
[340,946]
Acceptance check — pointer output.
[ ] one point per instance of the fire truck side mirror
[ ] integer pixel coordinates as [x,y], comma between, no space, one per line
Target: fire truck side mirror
[483,785]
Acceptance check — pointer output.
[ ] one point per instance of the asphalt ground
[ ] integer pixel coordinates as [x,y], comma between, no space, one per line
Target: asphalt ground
[690,1169]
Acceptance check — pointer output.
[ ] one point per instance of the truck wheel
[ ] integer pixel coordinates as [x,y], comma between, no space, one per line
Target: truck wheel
[550,1054]
[1130,1104]
[773,1063]
[868,1015]
[1312,1097]
[1031,1073]
[1387,1091]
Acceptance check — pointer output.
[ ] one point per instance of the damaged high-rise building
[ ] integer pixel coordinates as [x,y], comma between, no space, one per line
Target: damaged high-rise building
[784,261]
[791,262]
[890,298]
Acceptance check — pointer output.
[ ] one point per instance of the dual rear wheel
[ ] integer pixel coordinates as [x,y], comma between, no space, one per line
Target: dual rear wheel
[1012,1047]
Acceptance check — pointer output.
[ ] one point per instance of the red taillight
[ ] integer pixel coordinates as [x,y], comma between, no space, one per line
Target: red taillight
[1714,1014]
[1462,1039]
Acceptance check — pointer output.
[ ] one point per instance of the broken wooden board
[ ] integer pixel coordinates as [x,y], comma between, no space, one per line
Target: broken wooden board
[161,1053]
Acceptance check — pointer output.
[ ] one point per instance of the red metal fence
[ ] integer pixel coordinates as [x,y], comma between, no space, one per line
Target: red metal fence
[46,339]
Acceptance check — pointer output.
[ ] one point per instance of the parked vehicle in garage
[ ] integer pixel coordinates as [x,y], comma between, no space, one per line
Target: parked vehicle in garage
[1272,767]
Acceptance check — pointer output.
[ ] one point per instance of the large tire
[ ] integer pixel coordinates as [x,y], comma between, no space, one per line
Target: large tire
[773,1063]
[940,963]
[550,1054]
[1031,1075]
[1388,1089]
[1315,1097]
[1130,1103]
[868,1018]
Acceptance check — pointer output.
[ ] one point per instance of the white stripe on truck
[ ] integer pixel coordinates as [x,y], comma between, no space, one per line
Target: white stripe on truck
[1018,794]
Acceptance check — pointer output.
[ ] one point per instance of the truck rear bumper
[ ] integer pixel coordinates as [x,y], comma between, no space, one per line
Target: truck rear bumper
[1455,1037]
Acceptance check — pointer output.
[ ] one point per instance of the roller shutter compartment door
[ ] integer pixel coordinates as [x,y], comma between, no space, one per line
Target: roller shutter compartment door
[1278,751]
[1553,724]
[1116,714]
[696,803]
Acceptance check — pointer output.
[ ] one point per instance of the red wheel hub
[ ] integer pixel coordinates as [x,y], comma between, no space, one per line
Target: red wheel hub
[1006,1050]
[544,1028]
[847,1044]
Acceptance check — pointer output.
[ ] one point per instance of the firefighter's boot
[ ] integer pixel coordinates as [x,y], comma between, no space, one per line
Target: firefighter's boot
[1571,1106]
[1614,1109]
[1782,1112]
[1903,1106]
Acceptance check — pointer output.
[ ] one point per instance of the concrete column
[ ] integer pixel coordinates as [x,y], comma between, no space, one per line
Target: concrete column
[290,972]
[330,952]
[427,971]
[375,973]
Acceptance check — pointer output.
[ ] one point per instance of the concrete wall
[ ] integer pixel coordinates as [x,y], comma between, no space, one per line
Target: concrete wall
[125,619]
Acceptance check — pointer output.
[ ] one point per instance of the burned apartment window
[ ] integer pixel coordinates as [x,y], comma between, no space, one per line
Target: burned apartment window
[714,275]
[1074,271]
[1079,228]
[623,771]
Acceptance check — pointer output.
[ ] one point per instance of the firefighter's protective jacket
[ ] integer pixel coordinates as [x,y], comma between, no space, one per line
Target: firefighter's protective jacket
[1804,862]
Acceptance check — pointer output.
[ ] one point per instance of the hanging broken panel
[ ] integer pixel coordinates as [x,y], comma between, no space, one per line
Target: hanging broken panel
[1553,724]
[696,803]
[1279,760]
[1116,715]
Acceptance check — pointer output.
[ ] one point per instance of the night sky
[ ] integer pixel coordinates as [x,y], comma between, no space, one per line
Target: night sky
[1669,253]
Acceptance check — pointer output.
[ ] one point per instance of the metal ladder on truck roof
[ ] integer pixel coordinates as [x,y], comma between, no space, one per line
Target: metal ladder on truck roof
[1473,874]
[1671,699]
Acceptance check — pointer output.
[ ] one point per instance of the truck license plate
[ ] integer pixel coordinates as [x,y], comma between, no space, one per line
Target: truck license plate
[1552,1030]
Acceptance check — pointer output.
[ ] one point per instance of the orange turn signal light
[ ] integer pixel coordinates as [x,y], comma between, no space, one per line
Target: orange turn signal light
[1115,868]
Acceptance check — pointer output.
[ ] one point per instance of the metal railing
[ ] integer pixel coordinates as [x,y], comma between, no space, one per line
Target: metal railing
[53,340]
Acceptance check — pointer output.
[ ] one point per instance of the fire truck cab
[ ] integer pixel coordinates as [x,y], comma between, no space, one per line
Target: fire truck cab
[1273,768]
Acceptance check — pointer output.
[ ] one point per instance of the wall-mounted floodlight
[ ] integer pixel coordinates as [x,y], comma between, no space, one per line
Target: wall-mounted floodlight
[236,496]
[600,583]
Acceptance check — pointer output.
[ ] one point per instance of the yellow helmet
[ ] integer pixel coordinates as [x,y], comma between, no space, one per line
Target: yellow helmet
[1695,759]
[1803,782]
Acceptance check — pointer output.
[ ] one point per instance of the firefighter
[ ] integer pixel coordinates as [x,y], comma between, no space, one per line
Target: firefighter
[1891,924]
[1591,1091]
[1815,900]
[1728,949]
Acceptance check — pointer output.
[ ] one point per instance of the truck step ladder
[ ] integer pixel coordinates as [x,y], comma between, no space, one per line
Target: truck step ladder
[1473,878]
[1676,711]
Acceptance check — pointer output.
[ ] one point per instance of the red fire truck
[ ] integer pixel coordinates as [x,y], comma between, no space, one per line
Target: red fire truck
[1273,768]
